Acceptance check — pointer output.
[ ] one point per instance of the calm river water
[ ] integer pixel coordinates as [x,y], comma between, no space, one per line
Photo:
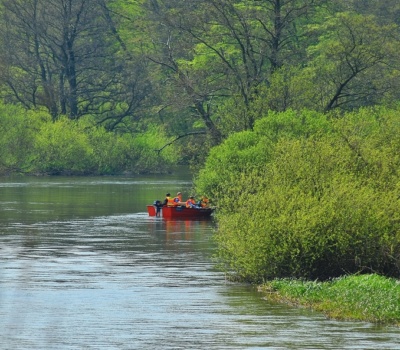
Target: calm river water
[82,266]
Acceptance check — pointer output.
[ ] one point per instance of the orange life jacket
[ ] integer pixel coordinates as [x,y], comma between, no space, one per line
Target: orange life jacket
[204,202]
[190,201]
[170,202]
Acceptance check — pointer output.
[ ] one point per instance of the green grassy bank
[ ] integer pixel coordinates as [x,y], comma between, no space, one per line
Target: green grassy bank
[370,298]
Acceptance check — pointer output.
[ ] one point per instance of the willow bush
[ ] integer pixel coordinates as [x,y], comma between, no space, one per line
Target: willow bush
[109,155]
[62,148]
[322,202]
[17,136]
[148,156]
[67,147]
[31,143]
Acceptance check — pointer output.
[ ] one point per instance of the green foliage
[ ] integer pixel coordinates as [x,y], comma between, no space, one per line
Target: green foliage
[218,66]
[62,148]
[371,298]
[66,147]
[292,124]
[147,157]
[31,143]
[350,59]
[308,196]
[17,130]
[235,116]
[242,152]
[290,87]
[110,152]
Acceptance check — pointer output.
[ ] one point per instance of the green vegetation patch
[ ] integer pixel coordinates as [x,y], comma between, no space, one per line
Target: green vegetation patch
[31,143]
[370,298]
[308,196]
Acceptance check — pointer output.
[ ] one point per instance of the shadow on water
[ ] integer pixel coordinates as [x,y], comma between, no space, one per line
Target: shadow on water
[82,270]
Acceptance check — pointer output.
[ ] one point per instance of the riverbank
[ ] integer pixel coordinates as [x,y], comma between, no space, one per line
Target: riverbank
[370,298]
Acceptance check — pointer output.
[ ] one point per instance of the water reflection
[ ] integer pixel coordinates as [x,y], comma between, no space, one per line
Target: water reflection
[128,281]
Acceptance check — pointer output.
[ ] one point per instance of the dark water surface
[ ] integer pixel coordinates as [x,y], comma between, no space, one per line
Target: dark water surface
[82,266]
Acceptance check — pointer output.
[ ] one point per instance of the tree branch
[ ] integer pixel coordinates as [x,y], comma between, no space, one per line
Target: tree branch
[179,137]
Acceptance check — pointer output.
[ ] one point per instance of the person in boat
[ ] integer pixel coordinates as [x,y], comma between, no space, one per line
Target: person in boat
[191,203]
[167,196]
[203,202]
[170,200]
[178,199]
[158,205]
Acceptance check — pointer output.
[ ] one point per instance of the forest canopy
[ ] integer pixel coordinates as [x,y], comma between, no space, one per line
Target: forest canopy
[198,69]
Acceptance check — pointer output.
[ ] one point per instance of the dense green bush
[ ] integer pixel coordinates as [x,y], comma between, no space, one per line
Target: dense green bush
[17,133]
[62,148]
[226,164]
[312,197]
[115,154]
[31,142]
[147,157]
[66,147]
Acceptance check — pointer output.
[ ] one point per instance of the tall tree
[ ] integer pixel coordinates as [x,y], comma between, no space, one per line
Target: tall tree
[64,55]
[214,50]
[354,62]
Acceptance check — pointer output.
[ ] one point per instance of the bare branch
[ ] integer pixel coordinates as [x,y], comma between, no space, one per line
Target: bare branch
[179,137]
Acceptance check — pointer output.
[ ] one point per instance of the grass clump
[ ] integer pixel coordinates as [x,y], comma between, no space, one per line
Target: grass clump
[370,298]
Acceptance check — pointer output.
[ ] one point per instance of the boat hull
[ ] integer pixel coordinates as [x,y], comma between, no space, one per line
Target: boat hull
[180,212]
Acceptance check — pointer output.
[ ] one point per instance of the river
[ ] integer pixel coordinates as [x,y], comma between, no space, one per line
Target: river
[82,266]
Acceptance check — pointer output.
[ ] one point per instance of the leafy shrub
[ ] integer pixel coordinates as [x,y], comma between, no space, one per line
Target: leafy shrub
[309,204]
[148,158]
[69,147]
[62,148]
[239,154]
[17,130]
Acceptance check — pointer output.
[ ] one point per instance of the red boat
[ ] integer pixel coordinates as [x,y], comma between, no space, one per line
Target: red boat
[180,212]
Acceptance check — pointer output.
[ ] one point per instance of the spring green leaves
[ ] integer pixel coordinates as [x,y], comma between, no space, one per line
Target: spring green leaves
[309,196]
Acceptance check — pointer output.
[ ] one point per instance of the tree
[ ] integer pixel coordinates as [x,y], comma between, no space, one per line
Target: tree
[213,51]
[64,55]
[353,61]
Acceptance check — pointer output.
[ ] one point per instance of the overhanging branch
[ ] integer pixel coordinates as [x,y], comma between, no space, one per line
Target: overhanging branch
[179,137]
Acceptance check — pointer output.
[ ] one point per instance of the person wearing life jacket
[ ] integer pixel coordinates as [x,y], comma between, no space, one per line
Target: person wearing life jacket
[169,201]
[191,203]
[178,199]
[204,202]
[165,201]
